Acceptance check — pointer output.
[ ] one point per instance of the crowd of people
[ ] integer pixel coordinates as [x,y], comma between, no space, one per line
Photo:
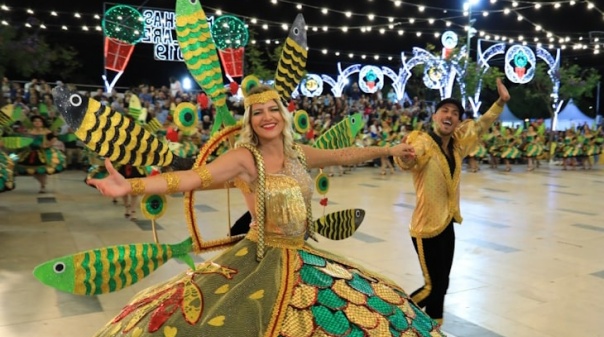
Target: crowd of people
[386,122]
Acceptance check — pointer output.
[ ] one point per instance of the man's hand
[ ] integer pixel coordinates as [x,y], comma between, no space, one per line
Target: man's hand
[404,151]
[504,95]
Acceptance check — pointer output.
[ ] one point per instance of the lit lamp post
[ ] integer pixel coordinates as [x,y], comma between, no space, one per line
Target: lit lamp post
[468,7]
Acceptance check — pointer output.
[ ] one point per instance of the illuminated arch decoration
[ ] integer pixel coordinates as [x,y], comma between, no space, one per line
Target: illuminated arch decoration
[520,64]
[553,62]
[447,70]
[337,85]
[311,85]
[371,79]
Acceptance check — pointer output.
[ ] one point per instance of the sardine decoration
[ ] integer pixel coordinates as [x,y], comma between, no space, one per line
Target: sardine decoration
[339,225]
[292,62]
[109,269]
[113,135]
[342,134]
[199,52]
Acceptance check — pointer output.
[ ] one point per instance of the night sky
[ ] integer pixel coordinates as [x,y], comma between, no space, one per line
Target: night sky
[569,22]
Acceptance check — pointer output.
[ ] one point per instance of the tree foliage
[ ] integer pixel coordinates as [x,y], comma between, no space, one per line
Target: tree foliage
[261,61]
[24,54]
[534,99]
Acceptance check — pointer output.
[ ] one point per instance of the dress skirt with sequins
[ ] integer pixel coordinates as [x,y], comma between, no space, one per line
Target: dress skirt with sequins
[291,292]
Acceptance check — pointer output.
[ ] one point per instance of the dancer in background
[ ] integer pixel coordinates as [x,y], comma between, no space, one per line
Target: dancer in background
[41,158]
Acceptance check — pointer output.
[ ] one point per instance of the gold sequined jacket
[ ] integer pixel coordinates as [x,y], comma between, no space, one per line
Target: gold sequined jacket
[437,190]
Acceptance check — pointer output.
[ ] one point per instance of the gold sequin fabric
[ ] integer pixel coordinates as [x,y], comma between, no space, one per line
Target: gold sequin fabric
[172,180]
[436,188]
[137,186]
[287,194]
[204,176]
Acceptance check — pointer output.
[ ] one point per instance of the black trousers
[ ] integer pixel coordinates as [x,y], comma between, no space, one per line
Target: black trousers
[436,258]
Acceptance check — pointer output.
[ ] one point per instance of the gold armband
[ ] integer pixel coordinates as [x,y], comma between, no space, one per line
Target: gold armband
[137,186]
[204,176]
[173,180]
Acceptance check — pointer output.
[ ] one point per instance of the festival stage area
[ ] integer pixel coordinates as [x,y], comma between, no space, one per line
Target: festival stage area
[528,261]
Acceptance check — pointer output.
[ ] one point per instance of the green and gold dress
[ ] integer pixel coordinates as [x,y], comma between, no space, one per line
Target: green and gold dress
[295,290]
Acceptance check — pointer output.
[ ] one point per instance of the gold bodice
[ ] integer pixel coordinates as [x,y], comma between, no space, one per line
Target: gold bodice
[288,193]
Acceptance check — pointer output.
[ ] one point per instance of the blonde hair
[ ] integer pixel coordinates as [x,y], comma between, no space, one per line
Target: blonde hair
[248,136]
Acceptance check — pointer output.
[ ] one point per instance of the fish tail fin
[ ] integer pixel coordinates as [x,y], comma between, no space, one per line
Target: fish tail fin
[223,117]
[187,259]
[181,252]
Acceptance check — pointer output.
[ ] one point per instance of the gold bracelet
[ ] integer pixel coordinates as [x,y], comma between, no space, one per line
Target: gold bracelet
[204,176]
[137,186]
[173,180]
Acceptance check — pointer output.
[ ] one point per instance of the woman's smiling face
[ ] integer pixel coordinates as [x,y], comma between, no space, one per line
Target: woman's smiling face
[266,120]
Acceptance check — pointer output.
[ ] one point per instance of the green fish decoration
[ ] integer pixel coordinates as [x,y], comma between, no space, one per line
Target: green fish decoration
[109,269]
[342,134]
[199,52]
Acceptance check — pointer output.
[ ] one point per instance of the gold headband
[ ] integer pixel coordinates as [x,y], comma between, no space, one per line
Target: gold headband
[262,97]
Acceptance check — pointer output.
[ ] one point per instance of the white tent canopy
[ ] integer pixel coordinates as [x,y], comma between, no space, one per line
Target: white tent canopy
[507,118]
[571,116]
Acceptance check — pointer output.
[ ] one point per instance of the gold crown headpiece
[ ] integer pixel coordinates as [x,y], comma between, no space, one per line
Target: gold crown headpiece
[262,97]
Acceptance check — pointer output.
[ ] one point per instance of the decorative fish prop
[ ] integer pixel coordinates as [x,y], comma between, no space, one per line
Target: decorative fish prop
[113,135]
[109,269]
[339,225]
[342,134]
[199,52]
[292,62]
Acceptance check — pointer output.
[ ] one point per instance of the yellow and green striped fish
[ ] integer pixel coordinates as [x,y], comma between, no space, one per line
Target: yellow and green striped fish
[199,52]
[113,135]
[342,134]
[292,62]
[339,225]
[109,269]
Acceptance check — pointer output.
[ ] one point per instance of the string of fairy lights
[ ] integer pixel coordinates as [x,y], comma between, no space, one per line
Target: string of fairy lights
[421,27]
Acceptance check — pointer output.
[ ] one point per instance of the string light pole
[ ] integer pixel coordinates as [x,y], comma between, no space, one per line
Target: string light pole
[468,7]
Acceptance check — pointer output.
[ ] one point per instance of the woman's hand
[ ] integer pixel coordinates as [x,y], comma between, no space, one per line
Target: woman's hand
[404,151]
[114,185]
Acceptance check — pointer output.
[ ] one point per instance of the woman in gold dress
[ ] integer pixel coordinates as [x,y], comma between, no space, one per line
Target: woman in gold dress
[283,287]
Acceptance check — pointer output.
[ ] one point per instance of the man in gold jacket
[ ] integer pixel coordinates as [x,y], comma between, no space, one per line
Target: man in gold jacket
[436,170]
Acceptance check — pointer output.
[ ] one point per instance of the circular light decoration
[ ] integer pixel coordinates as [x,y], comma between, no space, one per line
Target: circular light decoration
[153,206]
[311,85]
[449,39]
[229,32]
[301,121]
[371,79]
[185,117]
[124,23]
[520,64]
[435,73]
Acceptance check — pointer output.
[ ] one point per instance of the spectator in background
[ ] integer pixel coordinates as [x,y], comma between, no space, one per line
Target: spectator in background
[175,87]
